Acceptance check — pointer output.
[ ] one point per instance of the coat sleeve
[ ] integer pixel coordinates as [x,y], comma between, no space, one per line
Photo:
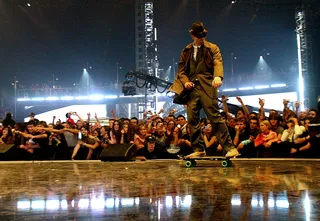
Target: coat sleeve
[182,75]
[217,62]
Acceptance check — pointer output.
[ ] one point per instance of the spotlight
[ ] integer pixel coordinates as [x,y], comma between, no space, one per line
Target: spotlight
[233,1]
[261,57]
[28,4]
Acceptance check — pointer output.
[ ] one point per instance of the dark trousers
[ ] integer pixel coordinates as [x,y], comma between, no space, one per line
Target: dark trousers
[198,100]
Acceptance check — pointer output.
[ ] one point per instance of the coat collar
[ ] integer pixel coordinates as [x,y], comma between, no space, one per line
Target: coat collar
[205,44]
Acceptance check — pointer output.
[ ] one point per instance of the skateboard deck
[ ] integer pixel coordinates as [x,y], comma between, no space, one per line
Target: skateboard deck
[191,160]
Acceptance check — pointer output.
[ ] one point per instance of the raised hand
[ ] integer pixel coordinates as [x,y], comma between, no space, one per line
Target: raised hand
[224,98]
[261,102]
[239,99]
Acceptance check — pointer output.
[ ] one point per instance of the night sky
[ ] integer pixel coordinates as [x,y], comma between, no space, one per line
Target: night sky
[60,37]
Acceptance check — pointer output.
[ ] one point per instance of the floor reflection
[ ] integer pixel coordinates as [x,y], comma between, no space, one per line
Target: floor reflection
[159,190]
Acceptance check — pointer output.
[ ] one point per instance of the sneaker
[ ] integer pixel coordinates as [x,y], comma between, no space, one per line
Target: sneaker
[232,153]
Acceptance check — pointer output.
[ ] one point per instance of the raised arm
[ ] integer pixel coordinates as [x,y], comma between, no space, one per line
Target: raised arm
[97,120]
[81,120]
[262,112]
[225,108]
[245,109]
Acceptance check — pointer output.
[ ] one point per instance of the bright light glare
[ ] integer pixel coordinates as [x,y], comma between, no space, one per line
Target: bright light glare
[236,201]
[245,88]
[110,203]
[52,98]
[127,201]
[110,96]
[67,98]
[278,85]
[37,99]
[52,204]
[169,201]
[230,89]
[83,203]
[28,4]
[23,205]
[23,99]
[96,97]
[261,87]
[37,204]
[81,98]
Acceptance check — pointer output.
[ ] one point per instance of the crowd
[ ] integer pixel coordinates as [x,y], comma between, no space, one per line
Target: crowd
[281,134]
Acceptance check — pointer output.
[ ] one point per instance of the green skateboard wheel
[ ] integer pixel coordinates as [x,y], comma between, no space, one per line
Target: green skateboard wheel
[224,163]
[229,163]
[188,163]
[194,163]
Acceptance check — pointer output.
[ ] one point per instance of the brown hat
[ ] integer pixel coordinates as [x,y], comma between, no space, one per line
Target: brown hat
[198,30]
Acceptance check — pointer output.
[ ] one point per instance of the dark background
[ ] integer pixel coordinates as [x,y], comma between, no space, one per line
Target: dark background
[61,37]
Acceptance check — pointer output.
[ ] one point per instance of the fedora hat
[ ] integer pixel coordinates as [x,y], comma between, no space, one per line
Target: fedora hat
[198,30]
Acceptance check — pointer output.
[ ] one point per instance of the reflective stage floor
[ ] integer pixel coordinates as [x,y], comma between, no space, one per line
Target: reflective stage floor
[160,190]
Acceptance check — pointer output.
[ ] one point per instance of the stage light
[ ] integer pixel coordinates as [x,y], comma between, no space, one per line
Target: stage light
[37,99]
[96,97]
[52,98]
[230,89]
[110,96]
[23,99]
[261,57]
[67,98]
[278,85]
[28,4]
[261,87]
[245,88]
[84,69]
[81,98]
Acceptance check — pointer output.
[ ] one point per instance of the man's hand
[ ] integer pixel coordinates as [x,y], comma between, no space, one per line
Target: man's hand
[216,82]
[240,146]
[189,85]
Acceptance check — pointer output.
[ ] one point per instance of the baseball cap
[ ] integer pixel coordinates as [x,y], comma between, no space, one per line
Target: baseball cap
[151,139]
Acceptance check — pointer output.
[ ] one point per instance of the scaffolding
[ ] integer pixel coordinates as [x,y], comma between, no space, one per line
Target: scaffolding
[146,54]
[305,53]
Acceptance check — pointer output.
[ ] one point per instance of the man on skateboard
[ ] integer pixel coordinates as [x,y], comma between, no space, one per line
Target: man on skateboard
[200,73]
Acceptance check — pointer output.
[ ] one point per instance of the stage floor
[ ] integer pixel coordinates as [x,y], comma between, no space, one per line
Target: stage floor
[160,190]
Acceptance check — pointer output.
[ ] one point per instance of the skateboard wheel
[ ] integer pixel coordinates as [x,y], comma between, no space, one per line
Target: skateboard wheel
[229,163]
[188,163]
[194,163]
[224,163]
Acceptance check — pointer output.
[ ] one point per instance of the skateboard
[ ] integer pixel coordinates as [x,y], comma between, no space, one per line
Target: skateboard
[192,161]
